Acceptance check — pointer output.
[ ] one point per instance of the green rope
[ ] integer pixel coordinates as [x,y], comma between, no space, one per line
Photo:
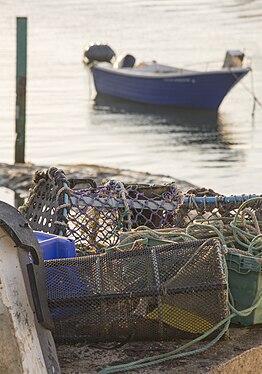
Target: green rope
[257,252]
[208,227]
[252,239]
[248,311]
[164,236]
[173,354]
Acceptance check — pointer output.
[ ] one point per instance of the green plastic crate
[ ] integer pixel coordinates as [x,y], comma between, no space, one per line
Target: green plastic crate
[245,281]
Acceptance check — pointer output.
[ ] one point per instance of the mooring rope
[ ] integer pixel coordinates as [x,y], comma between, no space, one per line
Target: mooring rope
[250,91]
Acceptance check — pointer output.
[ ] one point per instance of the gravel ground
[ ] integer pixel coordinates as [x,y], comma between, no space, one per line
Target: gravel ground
[84,359]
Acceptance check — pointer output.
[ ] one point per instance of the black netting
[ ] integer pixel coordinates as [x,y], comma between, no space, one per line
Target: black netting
[45,208]
[158,293]
[94,216]
[98,215]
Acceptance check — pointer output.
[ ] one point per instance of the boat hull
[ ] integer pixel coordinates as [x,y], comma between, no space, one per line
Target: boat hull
[198,90]
[25,320]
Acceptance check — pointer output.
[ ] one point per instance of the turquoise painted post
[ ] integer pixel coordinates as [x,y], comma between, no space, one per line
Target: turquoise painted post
[21,54]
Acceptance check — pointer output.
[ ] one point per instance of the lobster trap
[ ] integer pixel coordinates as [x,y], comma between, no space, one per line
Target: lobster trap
[158,293]
[94,216]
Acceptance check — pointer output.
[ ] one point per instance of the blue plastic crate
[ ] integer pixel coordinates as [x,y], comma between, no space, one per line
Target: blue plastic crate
[54,246]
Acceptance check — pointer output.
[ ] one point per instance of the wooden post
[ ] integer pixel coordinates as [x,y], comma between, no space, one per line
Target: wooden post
[21,54]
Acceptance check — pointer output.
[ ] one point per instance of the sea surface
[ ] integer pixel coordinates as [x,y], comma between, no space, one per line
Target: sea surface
[67,124]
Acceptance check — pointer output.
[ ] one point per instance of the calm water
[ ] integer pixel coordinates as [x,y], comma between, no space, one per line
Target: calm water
[64,123]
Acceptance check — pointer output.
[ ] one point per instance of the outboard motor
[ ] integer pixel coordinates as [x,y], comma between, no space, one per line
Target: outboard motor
[127,61]
[98,52]
[233,59]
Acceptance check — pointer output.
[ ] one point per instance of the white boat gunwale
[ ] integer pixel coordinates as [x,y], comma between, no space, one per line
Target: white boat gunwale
[135,73]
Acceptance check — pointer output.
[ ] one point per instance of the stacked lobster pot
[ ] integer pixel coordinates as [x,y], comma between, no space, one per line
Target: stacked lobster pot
[144,269]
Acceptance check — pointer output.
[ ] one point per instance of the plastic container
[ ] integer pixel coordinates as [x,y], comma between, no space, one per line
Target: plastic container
[245,281]
[54,246]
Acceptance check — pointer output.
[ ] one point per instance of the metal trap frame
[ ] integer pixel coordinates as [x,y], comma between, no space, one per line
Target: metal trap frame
[158,293]
[95,216]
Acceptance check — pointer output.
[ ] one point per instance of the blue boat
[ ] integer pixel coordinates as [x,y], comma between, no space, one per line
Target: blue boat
[157,84]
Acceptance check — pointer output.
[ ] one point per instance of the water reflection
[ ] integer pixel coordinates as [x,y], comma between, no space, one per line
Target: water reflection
[185,127]
[182,116]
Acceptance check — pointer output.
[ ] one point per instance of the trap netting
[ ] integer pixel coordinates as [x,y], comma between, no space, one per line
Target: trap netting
[236,220]
[158,293]
[45,208]
[202,204]
[95,216]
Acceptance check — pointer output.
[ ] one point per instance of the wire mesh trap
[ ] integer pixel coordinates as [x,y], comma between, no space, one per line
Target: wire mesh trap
[158,293]
[95,216]
[208,205]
